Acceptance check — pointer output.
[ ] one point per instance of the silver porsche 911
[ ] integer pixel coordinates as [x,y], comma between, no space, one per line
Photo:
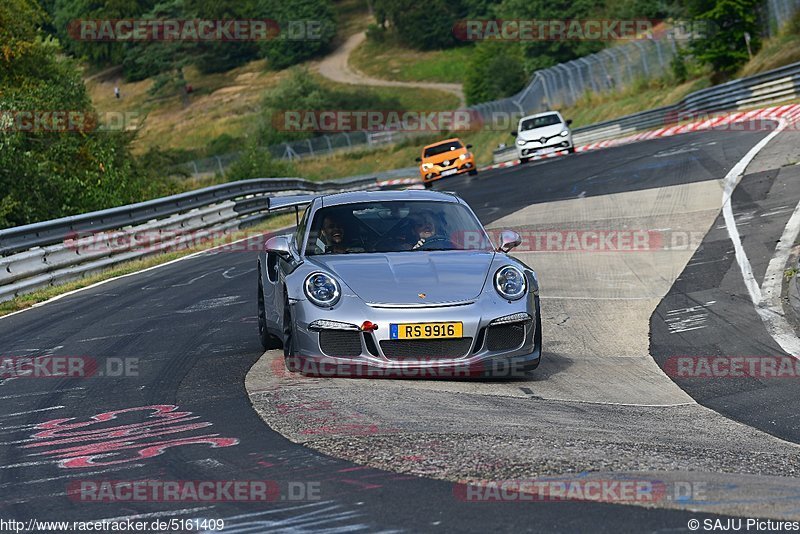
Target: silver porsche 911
[396,284]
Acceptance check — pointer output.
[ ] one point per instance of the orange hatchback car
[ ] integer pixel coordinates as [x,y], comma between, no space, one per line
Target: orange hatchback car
[445,158]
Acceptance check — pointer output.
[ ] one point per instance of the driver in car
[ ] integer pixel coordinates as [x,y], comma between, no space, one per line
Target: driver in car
[424,226]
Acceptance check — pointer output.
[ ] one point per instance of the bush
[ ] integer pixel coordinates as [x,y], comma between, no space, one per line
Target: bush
[376,34]
[222,144]
[257,162]
[307,30]
[424,25]
[301,92]
[540,54]
[496,71]
[49,174]
[680,71]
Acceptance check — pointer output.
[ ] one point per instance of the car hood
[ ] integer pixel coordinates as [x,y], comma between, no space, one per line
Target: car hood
[399,278]
[544,131]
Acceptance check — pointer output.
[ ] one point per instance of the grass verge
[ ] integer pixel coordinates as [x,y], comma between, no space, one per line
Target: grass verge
[393,62]
[783,49]
[221,103]
[22,302]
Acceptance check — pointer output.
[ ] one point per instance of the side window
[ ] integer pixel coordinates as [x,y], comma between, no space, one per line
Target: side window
[301,229]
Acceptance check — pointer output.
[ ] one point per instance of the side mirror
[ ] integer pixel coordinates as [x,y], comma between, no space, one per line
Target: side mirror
[469,146]
[514,133]
[418,159]
[568,121]
[509,240]
[278,244]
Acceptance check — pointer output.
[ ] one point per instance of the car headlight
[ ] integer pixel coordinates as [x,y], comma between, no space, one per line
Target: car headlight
[521,142]
[564,133]
[510,283]
[322,290]
[427,166]
[463,156]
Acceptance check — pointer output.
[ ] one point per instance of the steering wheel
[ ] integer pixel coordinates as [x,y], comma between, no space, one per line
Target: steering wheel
[433,241]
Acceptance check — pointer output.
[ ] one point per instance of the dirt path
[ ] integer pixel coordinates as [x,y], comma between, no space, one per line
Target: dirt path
[337,68]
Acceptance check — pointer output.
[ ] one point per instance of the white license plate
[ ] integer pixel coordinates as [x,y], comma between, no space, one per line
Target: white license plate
[548,150]
[448,172]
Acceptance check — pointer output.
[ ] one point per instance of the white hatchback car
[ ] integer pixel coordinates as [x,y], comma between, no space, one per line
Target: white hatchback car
[543,133]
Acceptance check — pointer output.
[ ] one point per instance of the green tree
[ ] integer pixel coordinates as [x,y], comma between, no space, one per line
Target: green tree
[422,25]
[44,173]
[496,71]
[541,54]
[257,162]
[307,30]
[220,56]
[301,92]
[723,24]
[68,13]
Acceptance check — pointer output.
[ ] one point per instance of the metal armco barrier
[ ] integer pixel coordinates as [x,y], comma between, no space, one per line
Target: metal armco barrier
[778,85]
[53,252]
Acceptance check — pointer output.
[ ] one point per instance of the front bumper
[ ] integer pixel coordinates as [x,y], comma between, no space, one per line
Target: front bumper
[486,348]
[532,149]
[437,171]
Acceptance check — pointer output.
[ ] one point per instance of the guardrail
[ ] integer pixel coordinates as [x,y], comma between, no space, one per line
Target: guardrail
[53,252]
[778,85]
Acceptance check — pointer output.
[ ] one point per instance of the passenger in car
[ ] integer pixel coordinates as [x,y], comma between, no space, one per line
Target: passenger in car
[332,236]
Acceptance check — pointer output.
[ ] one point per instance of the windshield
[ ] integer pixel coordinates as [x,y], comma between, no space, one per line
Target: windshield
[540,122]
[395,226]
[442,148]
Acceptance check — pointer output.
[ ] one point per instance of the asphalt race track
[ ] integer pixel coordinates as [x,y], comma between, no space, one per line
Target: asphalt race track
[384,455]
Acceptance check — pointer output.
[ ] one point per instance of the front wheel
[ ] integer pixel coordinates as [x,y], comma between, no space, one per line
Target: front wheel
[571,150]
[524,160]
[473,172]
[427,185]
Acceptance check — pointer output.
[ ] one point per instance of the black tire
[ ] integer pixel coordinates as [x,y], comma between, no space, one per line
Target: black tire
[571,150]
[268,341]
[523,161]
[427,185]
[289,358]
[473,172]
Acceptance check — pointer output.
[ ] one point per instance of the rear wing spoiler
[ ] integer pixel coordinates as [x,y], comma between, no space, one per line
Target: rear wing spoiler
[290,201]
